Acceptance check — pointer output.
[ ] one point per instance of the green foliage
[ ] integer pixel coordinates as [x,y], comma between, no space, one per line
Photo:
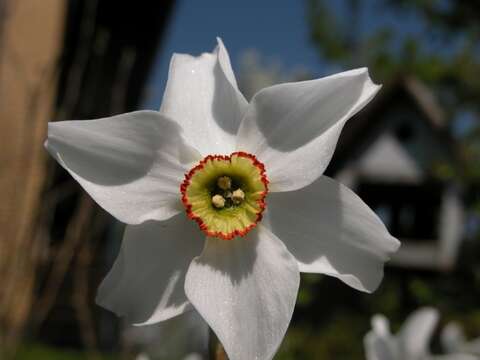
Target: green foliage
[332,342]
[42,352]
[388,52]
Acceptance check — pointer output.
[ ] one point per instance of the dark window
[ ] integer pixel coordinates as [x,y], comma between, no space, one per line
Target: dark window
[408,211]
[404,132]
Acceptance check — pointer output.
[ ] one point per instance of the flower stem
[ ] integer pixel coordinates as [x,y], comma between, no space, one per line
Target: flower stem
[215,348]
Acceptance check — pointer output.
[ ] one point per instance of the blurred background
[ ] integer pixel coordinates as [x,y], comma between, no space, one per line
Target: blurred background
[412,154]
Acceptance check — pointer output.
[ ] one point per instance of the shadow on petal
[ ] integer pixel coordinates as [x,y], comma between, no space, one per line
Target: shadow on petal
[234,258]
[118,150]
[330,230]
[225,107]
[291,115]
[228,105]
[146,283]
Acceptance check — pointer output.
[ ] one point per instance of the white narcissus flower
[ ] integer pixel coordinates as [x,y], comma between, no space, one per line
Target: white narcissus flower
[210,156]
[454,341]
[410,343]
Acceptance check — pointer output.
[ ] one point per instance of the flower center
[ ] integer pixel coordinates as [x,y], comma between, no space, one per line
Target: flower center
[225,195]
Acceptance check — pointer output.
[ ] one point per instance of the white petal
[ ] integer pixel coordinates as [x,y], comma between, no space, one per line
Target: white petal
[453,340]
[472,347]
[330,230]
[377,348]
[146,282]
[380,348]
[452,337]
[458,356]
[131,164]
[226,66]
[379,342]
[202,96]
[415,334]
[246,290]
[293,128]
[381,326]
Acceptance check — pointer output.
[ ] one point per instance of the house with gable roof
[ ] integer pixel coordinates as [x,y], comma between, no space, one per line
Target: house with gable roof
[389,154]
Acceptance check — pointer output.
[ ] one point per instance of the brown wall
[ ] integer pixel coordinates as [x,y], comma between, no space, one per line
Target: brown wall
[31,37]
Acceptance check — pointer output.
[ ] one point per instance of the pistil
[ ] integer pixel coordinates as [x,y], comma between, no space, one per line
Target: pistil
[224,182]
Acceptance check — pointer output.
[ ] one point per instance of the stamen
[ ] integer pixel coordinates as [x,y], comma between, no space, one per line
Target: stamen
[218,201]
[238,196]
[224,182]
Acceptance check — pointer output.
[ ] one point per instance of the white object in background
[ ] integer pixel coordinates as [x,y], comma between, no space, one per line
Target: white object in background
[453,340]
[410,343]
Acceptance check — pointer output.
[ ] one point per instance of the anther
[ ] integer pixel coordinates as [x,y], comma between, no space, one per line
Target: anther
[218,201]
[238,196]
[224,183]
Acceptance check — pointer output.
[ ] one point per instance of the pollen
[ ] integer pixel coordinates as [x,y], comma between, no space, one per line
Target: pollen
[218,201]
[238,196]
[225,194]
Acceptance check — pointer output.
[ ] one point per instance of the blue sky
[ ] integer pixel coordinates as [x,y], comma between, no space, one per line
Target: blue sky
[277,29]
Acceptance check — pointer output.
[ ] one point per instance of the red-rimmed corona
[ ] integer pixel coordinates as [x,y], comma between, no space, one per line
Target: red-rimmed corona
[225,194]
